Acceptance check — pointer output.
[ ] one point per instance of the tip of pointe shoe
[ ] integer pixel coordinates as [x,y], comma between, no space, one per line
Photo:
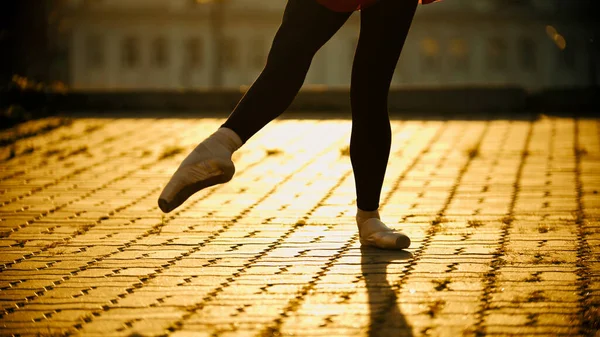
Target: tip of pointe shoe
[164,206]
[403,242]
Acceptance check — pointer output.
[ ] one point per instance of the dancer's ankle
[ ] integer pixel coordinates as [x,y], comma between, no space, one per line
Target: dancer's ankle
[362,215]
[228,138]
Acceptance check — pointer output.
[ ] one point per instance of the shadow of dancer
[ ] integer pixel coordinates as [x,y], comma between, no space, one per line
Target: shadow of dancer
[385,316]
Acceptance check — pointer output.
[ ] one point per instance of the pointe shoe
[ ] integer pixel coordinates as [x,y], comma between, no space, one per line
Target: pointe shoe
[374,233]
[189,179]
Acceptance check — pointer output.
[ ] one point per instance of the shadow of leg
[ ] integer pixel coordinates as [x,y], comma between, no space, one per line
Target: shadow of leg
[385,316]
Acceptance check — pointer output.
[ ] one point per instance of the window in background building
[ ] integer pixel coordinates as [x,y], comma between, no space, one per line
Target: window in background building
[94,51]
[430,54]
[130,52]
[257,53]
[194,53]
[497,54]
[459,54]
[160,52]
[400,73]
[352,44]
[230,53]
[527,54]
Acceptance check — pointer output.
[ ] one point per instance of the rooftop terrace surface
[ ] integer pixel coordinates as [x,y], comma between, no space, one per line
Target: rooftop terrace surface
[504,217]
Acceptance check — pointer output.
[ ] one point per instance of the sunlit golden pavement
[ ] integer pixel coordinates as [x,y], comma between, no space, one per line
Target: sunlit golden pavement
[504,218]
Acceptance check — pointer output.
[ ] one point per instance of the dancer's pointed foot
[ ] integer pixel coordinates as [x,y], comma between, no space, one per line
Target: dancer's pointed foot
[209,164]
[190,179]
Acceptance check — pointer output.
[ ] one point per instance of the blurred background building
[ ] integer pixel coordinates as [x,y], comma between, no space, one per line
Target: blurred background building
[197,44]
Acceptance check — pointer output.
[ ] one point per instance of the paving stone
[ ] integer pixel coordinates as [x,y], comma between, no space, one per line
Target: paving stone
[503,217]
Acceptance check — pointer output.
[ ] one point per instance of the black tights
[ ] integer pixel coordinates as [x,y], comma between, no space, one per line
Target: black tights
[305,28]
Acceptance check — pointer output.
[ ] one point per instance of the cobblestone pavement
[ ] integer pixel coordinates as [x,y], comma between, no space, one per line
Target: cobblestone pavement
[503,214]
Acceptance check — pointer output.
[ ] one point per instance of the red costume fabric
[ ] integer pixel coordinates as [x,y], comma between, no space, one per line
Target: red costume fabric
[353,5]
